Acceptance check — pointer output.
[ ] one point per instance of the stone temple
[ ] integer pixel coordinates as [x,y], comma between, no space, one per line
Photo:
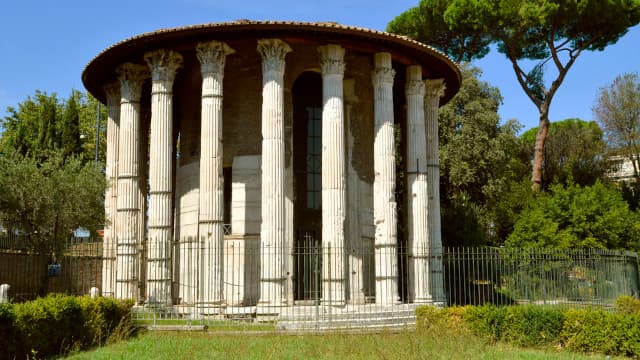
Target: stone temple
[272,164]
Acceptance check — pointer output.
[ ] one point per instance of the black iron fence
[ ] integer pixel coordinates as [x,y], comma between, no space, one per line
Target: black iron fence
[470,275]
[539,276]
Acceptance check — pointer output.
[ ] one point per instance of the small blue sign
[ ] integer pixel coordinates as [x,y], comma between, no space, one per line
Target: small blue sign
[54,269]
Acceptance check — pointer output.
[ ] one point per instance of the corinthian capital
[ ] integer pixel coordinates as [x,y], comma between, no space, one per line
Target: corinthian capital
[331,59]
[273,52]
[112,90]
[414,85]
[434,88]
[131,77]
[212,56]
[383,73]
[163,64]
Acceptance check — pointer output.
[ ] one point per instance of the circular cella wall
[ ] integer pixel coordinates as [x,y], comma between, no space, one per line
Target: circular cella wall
[235,148]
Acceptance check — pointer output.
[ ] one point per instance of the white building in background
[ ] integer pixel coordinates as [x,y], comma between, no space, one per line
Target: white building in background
[316,142]
[622,169]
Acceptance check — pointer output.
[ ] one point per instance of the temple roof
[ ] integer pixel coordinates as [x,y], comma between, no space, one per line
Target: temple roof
[404,50]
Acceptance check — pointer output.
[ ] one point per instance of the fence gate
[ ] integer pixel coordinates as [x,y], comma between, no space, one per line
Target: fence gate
[307,268]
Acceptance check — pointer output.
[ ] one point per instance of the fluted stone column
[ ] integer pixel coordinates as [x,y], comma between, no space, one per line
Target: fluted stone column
[110,203]
[272,231]
[163,65]
[131,78]
[333,174]
[355,250]
[434,89]
[418,244]
[212,57]
[384,185]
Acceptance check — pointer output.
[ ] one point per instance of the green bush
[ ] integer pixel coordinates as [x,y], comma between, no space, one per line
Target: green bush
[582,330]
[486,321]
[7,341]
[532,325]
[49,325]
[571,216]
[102,317]
[589,330]
[628,305]
[520,325]
[58,324]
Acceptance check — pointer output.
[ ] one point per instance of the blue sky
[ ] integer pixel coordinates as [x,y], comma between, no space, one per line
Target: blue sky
[46,44]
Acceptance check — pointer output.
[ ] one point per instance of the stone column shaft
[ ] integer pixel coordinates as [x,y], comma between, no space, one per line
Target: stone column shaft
[212,57]
[163,65]
[111,197]
[333,174]
[418,245]
[272,230]
[384,186]
[434,89]
[131,78]
[355,251]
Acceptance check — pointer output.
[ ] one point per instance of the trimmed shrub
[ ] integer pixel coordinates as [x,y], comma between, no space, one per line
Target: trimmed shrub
[8,340]
[486,321]
[628,305]
[49,326]
[598,331]
[58,324]
[431,317]
[520,325]
[582,330]
[102,316]
[532,325]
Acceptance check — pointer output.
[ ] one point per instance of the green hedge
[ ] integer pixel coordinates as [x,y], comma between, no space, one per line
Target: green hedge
[58,324]
[603,332]
[7,318]
[583,330]
[628,305]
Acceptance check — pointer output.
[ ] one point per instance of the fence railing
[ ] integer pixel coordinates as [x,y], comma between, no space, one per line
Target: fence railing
[504,276]
[313,285]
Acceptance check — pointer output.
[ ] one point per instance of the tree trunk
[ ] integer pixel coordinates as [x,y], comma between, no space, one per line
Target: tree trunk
[538,152]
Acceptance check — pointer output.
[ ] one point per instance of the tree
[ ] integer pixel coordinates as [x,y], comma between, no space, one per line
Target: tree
[48,133]
[23,129]
[535,32]
[71,141]
[42,123]
[617,109]
[574,150]
[478,160]
[88,108]
[426,23]
[47,199]
[571,216]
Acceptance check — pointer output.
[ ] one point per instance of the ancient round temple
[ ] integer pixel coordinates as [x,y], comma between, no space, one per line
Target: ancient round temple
[272,164]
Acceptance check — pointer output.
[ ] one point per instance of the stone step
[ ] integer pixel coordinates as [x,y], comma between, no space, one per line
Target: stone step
[325,324]
[345,316]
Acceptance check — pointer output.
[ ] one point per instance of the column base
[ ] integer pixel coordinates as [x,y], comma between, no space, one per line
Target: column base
[211,308]
[357,299]
[272,292]
[423,300]
[267,310]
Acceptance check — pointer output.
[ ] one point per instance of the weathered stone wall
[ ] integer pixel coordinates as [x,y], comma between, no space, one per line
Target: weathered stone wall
[245,196]
[186,262]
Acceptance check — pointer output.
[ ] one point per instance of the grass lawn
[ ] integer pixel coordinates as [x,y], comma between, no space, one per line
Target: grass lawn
[402,345]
